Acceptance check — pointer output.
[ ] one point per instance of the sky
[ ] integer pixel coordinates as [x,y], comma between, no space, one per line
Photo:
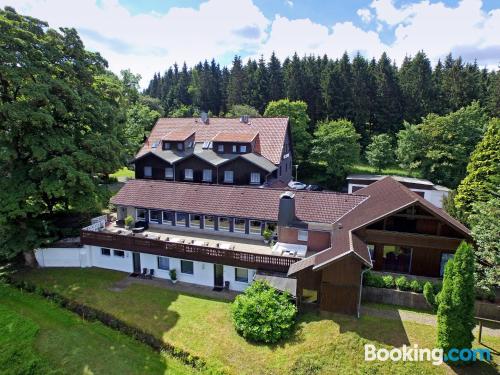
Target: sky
[148,36]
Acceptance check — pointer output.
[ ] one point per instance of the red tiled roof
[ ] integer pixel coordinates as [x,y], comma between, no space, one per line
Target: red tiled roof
[234,201]
[234,137]
[178,135]
[272,132]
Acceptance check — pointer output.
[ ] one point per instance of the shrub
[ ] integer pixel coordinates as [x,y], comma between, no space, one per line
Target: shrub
[402,283]
[429,295]
[416,286]
[129,221]
[371,279]
[389,282]
[173,274]
[263,314]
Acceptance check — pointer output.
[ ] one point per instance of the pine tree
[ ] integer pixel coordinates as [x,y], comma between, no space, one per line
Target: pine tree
[294,78]
[363,92]
[236,84]
[493,95]
[262,85]
[276,88]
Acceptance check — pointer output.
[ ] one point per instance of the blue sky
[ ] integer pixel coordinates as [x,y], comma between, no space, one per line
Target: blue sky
[149,35]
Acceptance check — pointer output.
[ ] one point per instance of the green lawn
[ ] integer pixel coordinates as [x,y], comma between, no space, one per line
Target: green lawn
[322,344]
[395,170]
[124,172]
[38,337]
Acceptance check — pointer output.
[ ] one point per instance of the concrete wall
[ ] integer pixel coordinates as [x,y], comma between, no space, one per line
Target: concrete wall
[64,257]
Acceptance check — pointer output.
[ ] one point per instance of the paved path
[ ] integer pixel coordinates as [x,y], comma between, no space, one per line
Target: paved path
[422,318]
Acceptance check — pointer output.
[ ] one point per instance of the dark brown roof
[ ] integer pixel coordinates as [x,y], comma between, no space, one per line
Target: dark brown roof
[272,132]
[234,201]
[235,137]
[386,196]
[178,135]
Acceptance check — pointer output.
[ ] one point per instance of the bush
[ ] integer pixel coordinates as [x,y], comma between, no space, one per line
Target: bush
[389,282]
[416,286]
[429,295]
[263,314]
[129,221]
[373,280]
[402,283]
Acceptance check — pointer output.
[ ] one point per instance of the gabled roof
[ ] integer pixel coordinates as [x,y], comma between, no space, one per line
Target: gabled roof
[233,201]
[272,132]
[386,196]
[178,135]
[235,137]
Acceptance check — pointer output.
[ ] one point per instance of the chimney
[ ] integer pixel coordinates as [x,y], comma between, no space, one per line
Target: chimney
[286,214]
[204,117]
[245,119]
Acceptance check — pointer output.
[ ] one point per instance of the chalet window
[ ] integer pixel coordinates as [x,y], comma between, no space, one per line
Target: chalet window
[239,225]
[190,144]
[188,174]
[302,235]
[207,175]
[255,178]
[194,220]
[163,263]
[235,148]
[255,226]
[371,250]
[209,222]
[445,257]
[220,148]
[148,171]
[169,172]
[180,219]
[119,253]
[167,145]
[180,146]
[187,267]
[243,148]
[140,214]
[224,224]
[228,177]
[105,251]
[155,216]
[168,218]
[397,258]
[241,275]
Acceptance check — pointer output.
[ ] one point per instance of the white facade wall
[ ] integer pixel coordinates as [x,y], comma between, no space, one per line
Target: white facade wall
[112,261]
[63,257]
[229,275]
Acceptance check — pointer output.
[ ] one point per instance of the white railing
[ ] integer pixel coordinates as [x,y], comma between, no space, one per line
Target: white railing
[98,223]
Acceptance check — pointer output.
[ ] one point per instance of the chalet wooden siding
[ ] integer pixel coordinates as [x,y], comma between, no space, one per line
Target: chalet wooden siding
[197,165]
[241,171]
[157,164]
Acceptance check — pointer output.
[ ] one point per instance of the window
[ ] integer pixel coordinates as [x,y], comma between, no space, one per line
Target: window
[397,258]
[235,148]
[271,226]
[209,222]
[255,226]
[241,275]
[228,176]
[148,172]
[188,174]
[119,253]
[239,225]
[167,145]
[180,146]
[220,148]
[302,235]
[155,216]
[207,175]
[371,249]
[194,220]
[445,257]
[169,172]
[105,251]
[187,267]
[224,223]
[140,214]
[168,218]
[180,219]
[163,263]
[243,148]
[190,144]
[255,178]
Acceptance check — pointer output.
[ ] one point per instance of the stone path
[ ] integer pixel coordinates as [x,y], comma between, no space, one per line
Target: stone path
[415,317]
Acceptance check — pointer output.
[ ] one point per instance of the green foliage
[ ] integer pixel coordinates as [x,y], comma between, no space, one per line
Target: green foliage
[173,274]
[60,130]
[389,282]
[336,143]
[429,295]
[296,111]
[129,221]
[484,166]
[416,286]
[456,301]
[239,110]
[485,221]
[140,121]
[440,146]
[263,314]
[373,280]
[380,153]
[402,283]
[184,111]
[267,234]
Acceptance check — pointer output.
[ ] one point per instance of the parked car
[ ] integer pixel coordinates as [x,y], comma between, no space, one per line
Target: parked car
[314,188]
[297,185]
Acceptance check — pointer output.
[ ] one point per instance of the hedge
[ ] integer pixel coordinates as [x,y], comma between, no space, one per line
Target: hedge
[92,314]
[400,283]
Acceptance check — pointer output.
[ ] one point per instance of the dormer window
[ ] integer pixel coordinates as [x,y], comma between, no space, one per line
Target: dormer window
[302,235]
[190,144]
[235,148]
[255,178]
[220,148]
[180,146]
[167,146]
[243,148]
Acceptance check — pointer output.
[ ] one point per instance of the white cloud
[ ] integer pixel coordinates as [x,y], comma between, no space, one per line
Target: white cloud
[289,3]
[365,14]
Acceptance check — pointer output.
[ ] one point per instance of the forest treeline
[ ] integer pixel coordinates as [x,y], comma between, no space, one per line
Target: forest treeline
[377,96]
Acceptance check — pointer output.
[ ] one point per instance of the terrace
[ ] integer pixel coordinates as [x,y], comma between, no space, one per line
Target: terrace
[204,247]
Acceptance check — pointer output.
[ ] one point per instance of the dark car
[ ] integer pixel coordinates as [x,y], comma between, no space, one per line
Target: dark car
[314,188]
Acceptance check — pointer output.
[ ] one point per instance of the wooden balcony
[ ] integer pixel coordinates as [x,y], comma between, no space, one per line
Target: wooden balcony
[208,254]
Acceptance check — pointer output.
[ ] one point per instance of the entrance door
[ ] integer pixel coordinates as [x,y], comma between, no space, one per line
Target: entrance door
[136,258]
[218,275]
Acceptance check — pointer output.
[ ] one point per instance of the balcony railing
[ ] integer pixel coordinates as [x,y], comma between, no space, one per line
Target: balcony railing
[187,251]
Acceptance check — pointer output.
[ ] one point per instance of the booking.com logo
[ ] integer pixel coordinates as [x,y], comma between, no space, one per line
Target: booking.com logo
[416,354]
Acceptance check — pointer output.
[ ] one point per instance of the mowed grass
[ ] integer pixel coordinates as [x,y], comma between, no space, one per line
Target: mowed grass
[38,337]
[322,344]
[123,172]
[395,170]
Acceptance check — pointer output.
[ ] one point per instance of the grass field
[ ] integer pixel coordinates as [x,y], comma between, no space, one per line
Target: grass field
[124,172]
[38,337]
[322,344]
[393,170]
